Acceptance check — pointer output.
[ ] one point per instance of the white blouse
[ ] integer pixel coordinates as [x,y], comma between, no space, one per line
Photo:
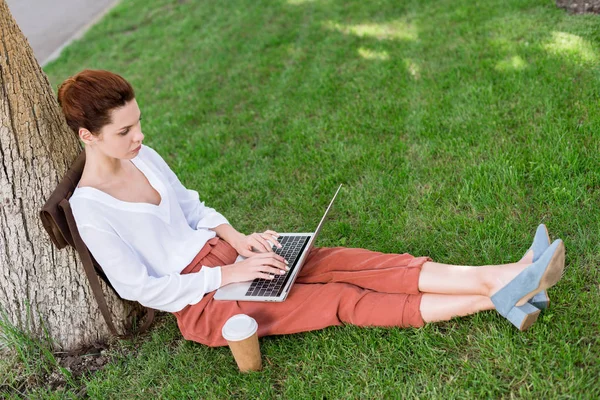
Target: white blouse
[142,247]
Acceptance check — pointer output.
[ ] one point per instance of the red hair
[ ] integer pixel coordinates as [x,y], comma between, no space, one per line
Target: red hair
[88,97]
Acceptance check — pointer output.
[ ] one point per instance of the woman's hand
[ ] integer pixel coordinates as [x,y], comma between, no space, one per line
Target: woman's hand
[245,243]
[258,265]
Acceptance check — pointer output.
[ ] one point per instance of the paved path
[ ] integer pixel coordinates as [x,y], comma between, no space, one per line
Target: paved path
[49,25]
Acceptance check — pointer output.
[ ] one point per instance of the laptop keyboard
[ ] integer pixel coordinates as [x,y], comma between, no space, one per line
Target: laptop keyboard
[291,248]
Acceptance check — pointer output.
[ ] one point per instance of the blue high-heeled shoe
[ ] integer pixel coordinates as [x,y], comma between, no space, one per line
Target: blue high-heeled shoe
[540,300]
[541,241]
[511,300]
[522,317]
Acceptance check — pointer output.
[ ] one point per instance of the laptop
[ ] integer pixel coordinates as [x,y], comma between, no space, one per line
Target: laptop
[294,248]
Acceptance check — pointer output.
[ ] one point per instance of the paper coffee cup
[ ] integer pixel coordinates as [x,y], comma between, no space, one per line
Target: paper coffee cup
[240,333]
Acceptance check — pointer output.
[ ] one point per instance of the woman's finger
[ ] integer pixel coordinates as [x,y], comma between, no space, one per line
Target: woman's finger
[277,264]
[271,270]
[276,239]
[261,257]
[260,246]
[271,238]
[280,259]
[273,257]
[270,232]
[270,262]
[263,245]
[247,252]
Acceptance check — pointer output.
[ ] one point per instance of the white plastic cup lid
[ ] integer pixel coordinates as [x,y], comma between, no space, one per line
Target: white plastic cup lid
[239,327]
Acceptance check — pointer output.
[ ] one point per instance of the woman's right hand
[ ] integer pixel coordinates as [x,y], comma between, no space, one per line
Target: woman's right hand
[259,265]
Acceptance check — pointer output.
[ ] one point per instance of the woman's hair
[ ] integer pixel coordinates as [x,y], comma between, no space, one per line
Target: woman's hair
[88,97]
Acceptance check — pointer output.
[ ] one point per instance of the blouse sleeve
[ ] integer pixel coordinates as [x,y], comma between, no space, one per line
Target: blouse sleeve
[196,213]
[132,280]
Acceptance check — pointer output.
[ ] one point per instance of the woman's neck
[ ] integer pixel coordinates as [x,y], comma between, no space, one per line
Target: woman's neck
[100,168]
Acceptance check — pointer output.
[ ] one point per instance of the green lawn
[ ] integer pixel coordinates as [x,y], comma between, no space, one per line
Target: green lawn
[456,127]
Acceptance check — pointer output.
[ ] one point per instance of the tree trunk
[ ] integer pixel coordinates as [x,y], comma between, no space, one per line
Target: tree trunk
[580,6]
[36,149]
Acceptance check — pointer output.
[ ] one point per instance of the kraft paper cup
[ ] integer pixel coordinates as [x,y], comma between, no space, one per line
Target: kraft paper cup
[240,333]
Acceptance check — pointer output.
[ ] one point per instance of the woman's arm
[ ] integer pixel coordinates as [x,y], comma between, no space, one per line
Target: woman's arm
[228,233]
[132,281]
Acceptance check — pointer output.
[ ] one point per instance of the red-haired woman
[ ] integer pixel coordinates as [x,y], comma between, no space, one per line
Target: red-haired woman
[161,246]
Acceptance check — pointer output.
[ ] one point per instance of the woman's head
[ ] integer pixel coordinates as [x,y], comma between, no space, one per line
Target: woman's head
[100,108]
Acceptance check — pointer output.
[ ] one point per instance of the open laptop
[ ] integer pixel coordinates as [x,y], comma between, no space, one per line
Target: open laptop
[294,248]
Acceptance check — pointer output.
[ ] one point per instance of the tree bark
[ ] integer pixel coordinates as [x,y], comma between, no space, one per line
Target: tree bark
[36,149]
[580,6]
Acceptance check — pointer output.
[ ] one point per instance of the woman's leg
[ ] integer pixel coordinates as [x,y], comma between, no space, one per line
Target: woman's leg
[443,307]
[465,280]
[316,306]
[399,273]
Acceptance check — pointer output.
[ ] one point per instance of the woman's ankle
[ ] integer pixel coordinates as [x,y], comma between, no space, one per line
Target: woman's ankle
[527,258]
[500,275]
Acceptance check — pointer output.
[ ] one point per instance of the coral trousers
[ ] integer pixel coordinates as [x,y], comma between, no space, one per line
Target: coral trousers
[335,286]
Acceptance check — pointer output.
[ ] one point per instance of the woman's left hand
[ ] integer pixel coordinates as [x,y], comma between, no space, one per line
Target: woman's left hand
[257,241]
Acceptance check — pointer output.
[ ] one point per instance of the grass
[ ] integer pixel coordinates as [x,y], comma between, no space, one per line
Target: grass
[456,127]
[27,362]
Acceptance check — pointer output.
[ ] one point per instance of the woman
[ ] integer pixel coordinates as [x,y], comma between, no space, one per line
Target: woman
[159,245]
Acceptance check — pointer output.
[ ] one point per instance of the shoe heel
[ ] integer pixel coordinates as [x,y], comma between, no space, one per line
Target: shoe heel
[523,316]
[540,300]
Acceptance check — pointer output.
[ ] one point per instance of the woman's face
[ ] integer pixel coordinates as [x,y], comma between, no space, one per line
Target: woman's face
[123,137]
